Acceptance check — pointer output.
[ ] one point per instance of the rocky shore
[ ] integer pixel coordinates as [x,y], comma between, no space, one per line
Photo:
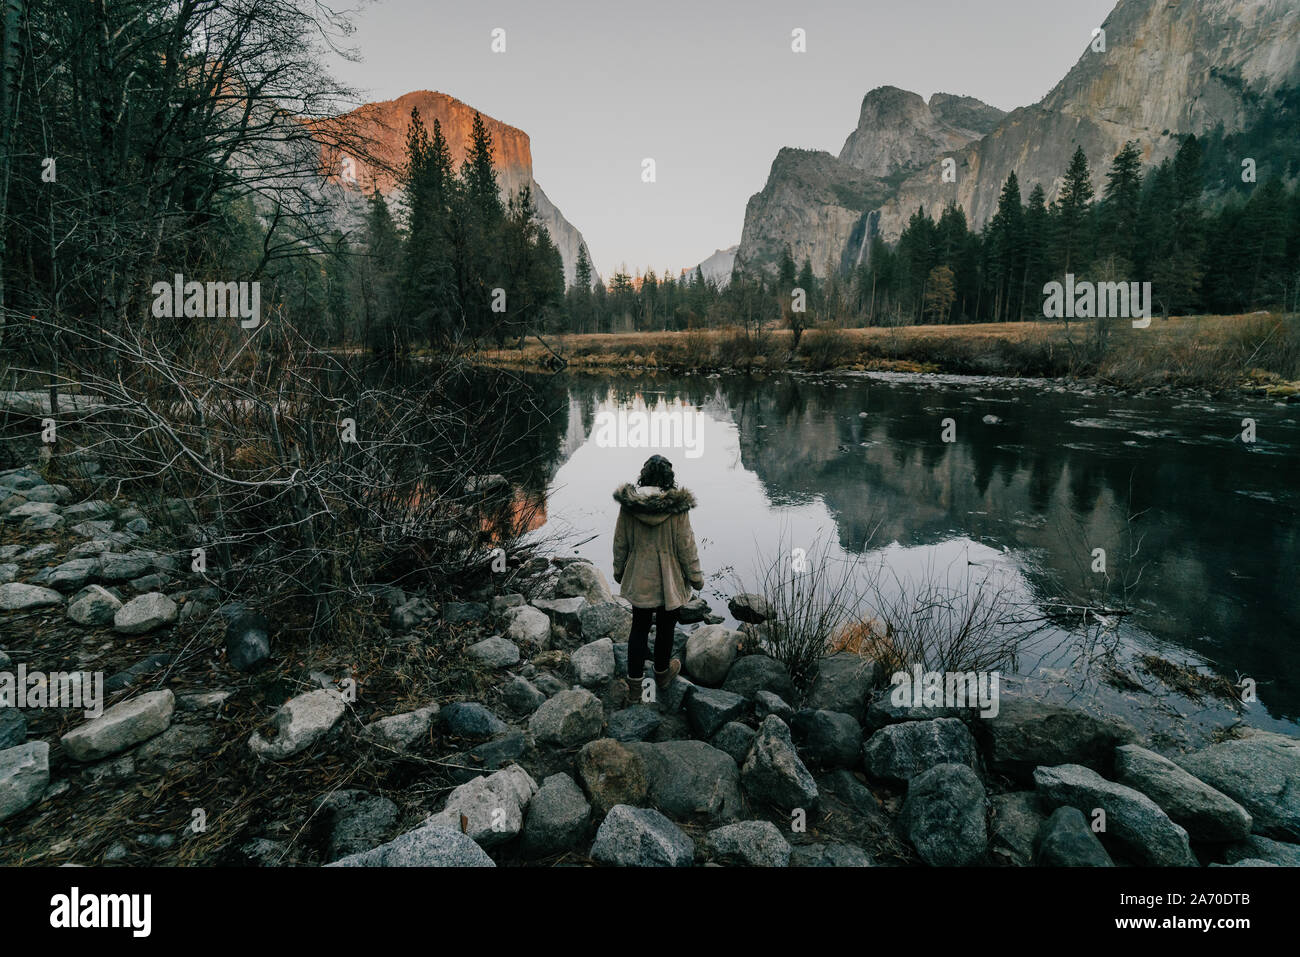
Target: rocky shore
[223,742]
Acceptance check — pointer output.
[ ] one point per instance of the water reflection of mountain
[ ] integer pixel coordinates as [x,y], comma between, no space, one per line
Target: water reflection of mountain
[1056,479]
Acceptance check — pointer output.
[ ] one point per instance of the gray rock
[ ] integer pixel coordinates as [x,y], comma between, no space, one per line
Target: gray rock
[691,780]
[95,508]
[525,625]
[736,740]
[558,818]
[41,493]
[1016,819]
[433,845]
[410,614]
[1065,840]
[299,723]
[1206,814]
[710,651]
[400,731]
[94,606]
[641,837]
[145,613]
[13,728]
[748,844]
[611,774]
[127,566]
[844,682]
[469,719]
[899,752]
[117,770]
[829,855]
[41,523]
[248,637]
[583,580]
[495,652]
[1261,848]
[708,709]
[8,572]
[606,620]
[550,685]
[39,552]
[1132,818]
[464,612]
[179,743]
[122,726]
[697,609]
[97,531]
[773,773]
[674,697]
[355,820]
[20,514]
[568,719]
[202,700]
[565,613]
[751,608]
[1026,734]
[489,809]
[16,596]
[753,673]
[24,775]
[1261,772]
[826,739]
[634,723]
[766,703]
[148,583]
[944,816]
[522,696]
[492,755]
[593,663]
[73,574]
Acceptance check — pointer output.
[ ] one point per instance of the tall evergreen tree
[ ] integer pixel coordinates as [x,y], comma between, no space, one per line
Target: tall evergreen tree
[1073,208]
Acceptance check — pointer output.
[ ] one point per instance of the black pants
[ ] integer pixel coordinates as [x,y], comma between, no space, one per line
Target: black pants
[665,623]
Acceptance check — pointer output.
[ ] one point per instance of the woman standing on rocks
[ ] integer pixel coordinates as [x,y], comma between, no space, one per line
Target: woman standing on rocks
[656,564]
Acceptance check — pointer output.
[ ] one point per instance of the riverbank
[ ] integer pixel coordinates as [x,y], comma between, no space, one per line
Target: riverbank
[1253,354]
[493,726]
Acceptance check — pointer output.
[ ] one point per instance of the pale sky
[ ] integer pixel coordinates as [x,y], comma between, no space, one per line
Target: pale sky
[709,90]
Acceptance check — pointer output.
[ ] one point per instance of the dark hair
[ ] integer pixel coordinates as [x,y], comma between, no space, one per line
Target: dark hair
[657,471]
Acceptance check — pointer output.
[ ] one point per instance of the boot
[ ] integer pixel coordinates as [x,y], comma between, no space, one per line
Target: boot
[634,689]
[664,678]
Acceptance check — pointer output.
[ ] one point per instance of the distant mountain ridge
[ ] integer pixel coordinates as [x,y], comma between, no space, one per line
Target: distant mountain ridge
[1170,68]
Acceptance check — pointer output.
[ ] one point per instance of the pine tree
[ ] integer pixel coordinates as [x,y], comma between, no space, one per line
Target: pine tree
[1073,207]
[1120,208]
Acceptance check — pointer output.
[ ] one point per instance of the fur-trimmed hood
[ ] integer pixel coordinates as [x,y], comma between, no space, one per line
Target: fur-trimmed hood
[653,505]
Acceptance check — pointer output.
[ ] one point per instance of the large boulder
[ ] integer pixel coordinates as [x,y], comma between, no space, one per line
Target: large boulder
[1261,771]
[611,774]
[750,608]
[945,816]
[433,845]
[1132,818]
[899,752]
[710,651]
[753,673]
[773,773]
[1206,814]
[94,606]
[826,739]
[564,613]
[593,663]
[354,820]
[299,723]
[1015,822]
[570,718]
[18,596]
[843,683]
[608,619]
[1027,733]
[583,580]
[495,652]
[145,613]
[1066,840]
[708,709]
[72,574]
[558,817]
[489,809]
[634,723]
[469,719]
[690,779]
[24,775]
[1262,848]
[526,625]
[748,844]
[122,726]
[735,739]
[641,837]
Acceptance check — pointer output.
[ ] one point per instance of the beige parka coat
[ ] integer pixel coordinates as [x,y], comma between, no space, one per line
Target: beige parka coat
[655,559]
